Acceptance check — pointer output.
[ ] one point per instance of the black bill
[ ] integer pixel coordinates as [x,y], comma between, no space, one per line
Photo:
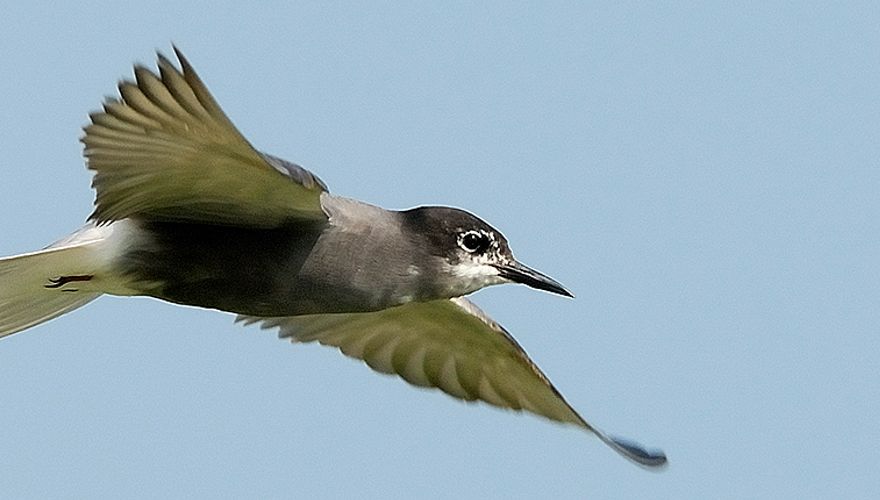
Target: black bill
[520,273]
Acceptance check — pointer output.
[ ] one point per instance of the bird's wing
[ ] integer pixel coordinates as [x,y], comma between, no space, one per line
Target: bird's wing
[451,345]
[167,150]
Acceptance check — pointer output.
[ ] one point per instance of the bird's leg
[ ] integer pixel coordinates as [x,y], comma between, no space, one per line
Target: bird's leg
[60,281]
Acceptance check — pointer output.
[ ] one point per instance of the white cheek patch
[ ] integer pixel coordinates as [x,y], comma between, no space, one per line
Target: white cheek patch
[473,273]
[474,270]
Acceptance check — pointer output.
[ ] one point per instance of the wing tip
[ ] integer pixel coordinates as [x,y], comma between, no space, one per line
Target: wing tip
[185,66]
[653,459]
[163,62]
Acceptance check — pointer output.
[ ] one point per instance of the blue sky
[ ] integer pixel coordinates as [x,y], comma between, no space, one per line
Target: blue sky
[703,178]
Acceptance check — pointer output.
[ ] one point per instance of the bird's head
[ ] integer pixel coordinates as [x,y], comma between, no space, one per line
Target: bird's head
[471,254]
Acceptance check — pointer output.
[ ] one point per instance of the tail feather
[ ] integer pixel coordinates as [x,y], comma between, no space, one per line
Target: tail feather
[25,298]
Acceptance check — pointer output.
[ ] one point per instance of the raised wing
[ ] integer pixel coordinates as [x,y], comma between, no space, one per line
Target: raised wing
[166,150]
[451,345]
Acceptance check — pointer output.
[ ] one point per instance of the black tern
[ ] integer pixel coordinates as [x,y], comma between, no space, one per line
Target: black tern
[187,211]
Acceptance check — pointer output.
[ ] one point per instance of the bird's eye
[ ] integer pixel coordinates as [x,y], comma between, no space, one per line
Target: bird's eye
[473,241]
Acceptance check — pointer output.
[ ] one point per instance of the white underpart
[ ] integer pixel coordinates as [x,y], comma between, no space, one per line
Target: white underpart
[105,243]
[36,287]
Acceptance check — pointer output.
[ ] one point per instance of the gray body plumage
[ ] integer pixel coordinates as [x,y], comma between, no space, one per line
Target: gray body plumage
[189,212]
[362,258]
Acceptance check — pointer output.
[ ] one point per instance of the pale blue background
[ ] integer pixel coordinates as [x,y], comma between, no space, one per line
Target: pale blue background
[704,178]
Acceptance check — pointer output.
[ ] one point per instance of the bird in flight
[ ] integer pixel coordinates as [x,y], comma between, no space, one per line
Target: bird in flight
[188,211]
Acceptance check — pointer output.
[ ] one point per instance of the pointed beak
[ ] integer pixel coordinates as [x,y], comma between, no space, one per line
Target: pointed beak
[520,273]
